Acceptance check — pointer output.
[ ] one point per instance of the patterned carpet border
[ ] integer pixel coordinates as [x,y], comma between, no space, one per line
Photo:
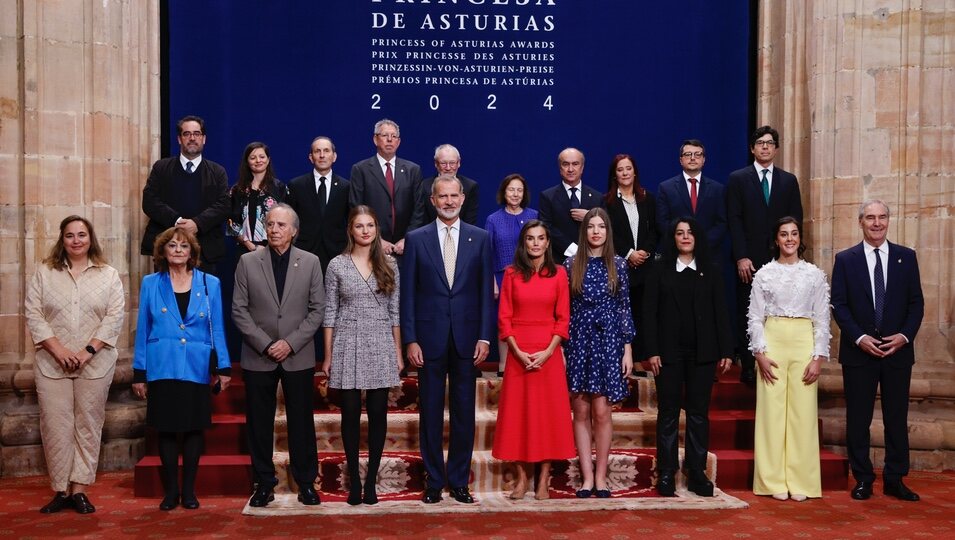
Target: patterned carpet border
[288,505]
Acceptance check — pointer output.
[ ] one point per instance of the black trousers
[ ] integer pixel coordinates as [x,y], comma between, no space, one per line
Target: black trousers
[861,383]
[299,390]
[683,384]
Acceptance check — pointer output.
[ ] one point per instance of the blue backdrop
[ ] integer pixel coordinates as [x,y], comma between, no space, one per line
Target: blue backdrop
[628,76]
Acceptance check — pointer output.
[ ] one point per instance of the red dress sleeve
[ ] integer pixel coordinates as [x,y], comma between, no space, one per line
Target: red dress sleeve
[505,309]
[562,308]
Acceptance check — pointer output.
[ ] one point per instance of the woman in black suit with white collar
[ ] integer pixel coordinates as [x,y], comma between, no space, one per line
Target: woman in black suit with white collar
[687,333]
[633,218]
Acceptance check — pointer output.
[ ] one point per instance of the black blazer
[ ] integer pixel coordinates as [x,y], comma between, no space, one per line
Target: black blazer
[751,221]
[425,213]
[321,234]
[661,315]
[215,205]
[673,202]
[367,186]
[554,211]
[853,307]
[647,234]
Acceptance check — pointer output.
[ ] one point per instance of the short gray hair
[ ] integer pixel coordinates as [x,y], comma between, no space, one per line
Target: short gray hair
[287,208]
[446,178]
[869,202]
[448,147]
[387,122]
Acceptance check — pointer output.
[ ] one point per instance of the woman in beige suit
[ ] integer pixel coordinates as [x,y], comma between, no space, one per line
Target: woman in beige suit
[74,310]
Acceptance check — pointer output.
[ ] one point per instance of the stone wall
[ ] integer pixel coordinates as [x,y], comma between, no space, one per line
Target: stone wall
[863,94]
[79,127]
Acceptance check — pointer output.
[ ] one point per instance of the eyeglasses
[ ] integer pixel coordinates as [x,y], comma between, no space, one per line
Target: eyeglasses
[388,136]
[447,163]
[692,154]
[770,142]
[190,134]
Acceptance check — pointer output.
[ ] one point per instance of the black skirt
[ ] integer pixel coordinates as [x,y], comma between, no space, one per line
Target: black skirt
[178,406]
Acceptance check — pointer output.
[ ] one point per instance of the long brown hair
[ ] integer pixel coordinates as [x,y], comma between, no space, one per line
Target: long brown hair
[57,258]
[522,262]
[578,266]
[380,265]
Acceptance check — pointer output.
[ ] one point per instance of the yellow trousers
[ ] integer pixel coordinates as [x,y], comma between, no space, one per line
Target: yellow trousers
[786,442]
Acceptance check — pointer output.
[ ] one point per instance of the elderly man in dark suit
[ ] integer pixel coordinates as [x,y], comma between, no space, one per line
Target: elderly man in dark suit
[756,197]
[320,198]
[447,160]
[278,304]
[188,192]
[388,184]
[563,206]
[877,302]
[691,194]
[447,320]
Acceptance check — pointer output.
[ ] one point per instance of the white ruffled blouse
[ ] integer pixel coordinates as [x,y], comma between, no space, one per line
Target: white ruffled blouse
[795,290]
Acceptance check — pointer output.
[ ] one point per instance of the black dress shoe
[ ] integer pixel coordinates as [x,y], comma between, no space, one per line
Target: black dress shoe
[462,495]
[698,483]
[308,496]
[261,497]
[584,493]
[900,491]
[371,495]
[169,502]
[431,496]
[666,485]
[862,491]
[60,501]
[82,505]
[190,502]
[602,493]
[748,376]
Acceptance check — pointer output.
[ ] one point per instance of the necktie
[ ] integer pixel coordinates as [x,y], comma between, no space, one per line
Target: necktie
[765,184]
[879,277]
[693,194]
[189,166]
[574,200]
[449,255]
[321,195]
[390,180]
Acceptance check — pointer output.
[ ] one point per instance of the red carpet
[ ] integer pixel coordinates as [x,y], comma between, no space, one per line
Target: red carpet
[120,515]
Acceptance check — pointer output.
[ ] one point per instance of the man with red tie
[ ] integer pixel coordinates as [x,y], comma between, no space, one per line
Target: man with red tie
[690,194]
[388,184]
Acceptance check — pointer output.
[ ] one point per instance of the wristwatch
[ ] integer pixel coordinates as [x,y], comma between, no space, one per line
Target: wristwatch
[90,349]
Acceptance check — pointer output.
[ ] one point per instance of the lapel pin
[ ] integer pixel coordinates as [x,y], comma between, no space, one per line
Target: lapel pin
[295,265]
[469,239]
[900,261]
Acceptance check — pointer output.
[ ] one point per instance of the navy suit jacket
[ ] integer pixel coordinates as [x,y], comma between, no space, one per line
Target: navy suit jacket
[430,310]
[854,309]
[751,221]
[554,211]
[321,234]
[367,186]
[425,213]
[673,201]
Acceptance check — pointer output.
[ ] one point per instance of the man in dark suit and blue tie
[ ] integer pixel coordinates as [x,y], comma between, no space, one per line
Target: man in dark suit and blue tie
[756,197]
[563,206]
[877,302]
[320,198]
[388,184]
[690,194]
[447,320]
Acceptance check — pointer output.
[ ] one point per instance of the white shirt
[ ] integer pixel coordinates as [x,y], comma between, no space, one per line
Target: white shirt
[455,234]
[381,163]
[633,217]
[689,185]
[572,248]
[795,290]
[769,175]
[870,262]
[195,162]
[680,266]
[328,184]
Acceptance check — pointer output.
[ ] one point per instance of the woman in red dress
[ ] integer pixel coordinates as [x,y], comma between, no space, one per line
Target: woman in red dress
[534,420]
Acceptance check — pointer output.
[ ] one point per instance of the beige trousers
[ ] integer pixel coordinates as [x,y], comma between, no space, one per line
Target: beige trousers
[72,412]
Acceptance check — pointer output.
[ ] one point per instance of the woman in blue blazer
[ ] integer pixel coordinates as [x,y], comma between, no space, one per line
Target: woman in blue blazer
[180,339]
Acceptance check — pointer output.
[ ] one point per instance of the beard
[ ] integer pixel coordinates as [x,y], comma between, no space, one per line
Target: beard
[449,214]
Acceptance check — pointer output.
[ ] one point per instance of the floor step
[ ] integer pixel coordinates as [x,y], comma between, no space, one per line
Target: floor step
[218,475]
[226,436]
[736,469]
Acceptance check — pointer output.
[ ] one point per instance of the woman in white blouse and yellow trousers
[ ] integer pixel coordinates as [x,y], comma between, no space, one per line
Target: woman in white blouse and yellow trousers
[789,336]
[74,310]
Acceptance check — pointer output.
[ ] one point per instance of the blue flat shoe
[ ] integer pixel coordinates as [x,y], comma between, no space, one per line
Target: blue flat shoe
[584,493]
[603,493]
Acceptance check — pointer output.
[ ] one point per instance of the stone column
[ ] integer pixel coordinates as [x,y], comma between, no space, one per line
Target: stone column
[863,95]
[79,128]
